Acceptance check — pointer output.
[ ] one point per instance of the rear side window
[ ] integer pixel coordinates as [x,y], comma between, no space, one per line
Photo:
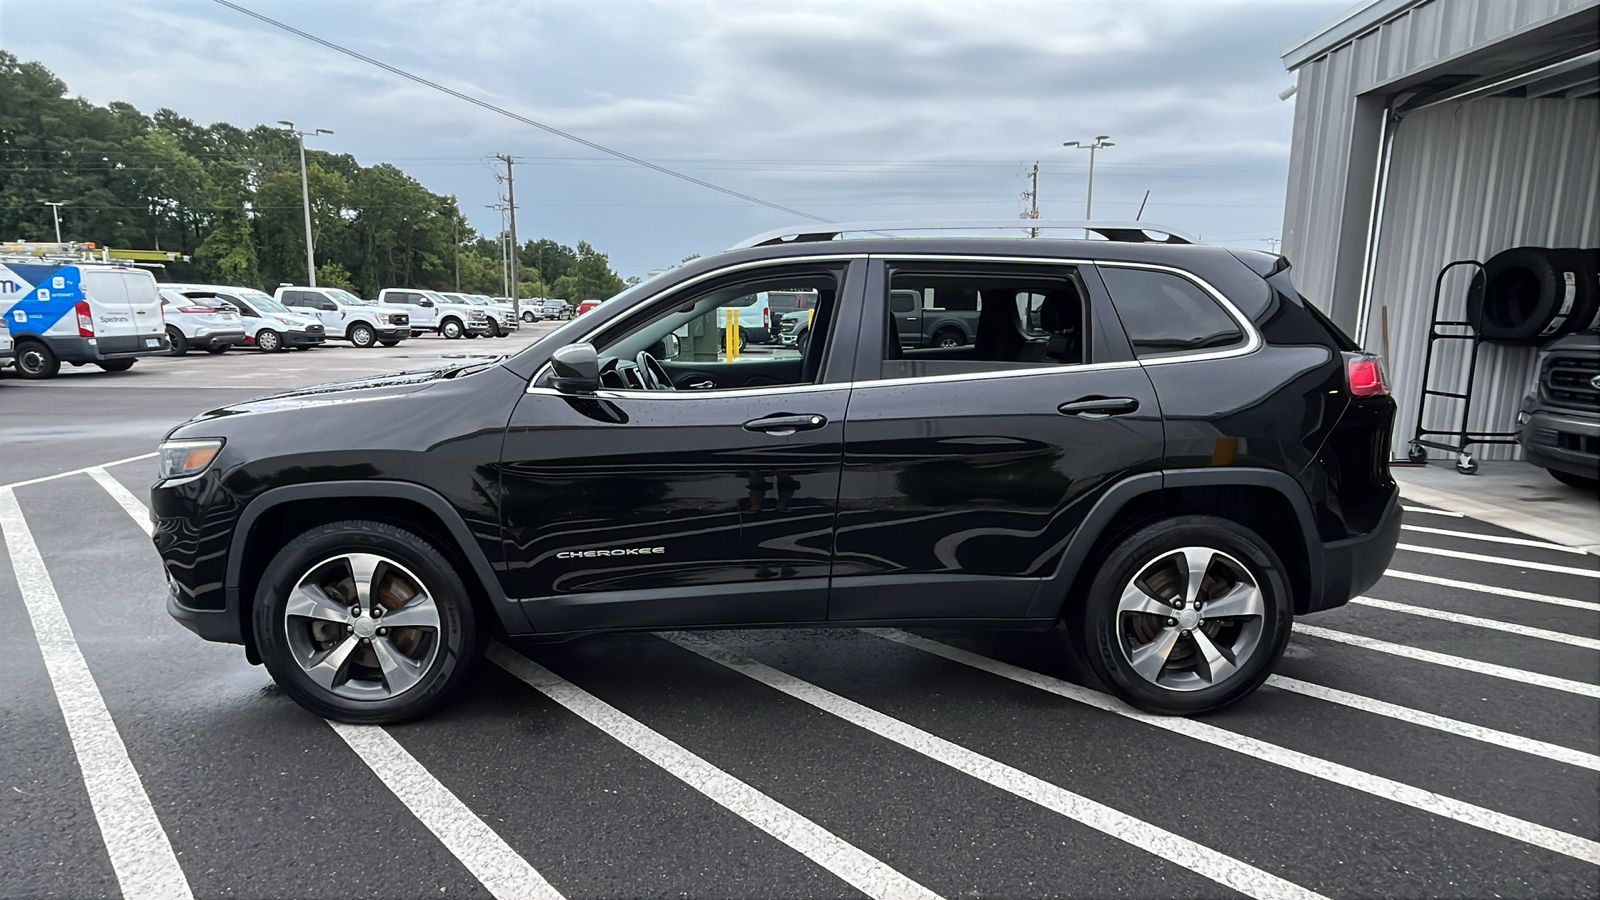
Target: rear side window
[1167,315]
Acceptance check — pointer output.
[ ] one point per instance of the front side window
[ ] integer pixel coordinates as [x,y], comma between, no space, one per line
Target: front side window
[957,319]
[1166,314]
[717,337]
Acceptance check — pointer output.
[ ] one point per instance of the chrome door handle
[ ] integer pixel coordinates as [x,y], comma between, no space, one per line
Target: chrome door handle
[1098,407]
[781,425]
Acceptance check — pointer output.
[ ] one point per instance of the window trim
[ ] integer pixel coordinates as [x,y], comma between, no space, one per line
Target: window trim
[1252,338]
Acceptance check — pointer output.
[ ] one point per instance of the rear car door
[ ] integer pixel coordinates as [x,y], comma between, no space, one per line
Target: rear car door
[968,470]
[638,507]
[106,291]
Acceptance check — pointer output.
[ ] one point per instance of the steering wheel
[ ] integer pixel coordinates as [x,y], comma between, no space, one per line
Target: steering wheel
[654,375]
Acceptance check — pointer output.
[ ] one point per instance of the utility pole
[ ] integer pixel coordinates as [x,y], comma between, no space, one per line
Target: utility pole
[511,202]
[305,197]
[55,210]
[1032,196]
[457,228]
[1098,142]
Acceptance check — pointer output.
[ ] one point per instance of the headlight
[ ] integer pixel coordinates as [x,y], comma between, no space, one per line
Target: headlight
[383,318]
[186,459]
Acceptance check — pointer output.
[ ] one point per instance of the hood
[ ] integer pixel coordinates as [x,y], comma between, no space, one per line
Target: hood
[361,390]
[294,319]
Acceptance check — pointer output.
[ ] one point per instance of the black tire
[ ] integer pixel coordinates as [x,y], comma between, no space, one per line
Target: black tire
[35,360]
[471,335]
[949,339]
[269,341]
[451,329]
[1590,483]
[116,365]
[362,335]
[494,328]
[1417,453]
[1152,548]
[1529,295]
[390,343]
[1585,315]
[216,349]
[457,636]
[528,317]
[180,344]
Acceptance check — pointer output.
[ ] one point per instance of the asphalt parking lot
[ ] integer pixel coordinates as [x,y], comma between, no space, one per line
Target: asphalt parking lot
[1439,737]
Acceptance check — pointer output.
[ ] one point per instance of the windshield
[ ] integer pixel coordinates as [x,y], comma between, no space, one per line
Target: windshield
[347,297]
[435,296]
[261,302]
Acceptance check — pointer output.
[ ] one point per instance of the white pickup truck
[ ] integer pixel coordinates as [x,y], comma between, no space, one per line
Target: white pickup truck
[433,311]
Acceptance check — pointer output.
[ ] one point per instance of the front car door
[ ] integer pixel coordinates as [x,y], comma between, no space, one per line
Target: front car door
[696,487]
[969,469]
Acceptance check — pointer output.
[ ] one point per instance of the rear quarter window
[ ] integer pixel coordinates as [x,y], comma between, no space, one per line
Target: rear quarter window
[1168,315]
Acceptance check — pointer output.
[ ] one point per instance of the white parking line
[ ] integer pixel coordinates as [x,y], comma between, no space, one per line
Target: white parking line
[1494,539]
[1517,742]
[1434,512]
[44,478]
[485,854]
[141,854]
[1495,589]
[124,497]
[1501,561]
[1521,676]
[862,871]
[1543,634]
[1456,810]
[1174,848]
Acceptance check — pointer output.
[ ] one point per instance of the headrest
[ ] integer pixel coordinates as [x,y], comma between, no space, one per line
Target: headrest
[1062,309]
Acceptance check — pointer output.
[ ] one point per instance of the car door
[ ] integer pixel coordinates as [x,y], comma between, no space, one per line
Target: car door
[906,308]
[647,508]
[112,311]
[968,471]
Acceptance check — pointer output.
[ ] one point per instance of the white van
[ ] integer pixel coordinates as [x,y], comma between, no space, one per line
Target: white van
[433,311]
[344,315]
[79,313]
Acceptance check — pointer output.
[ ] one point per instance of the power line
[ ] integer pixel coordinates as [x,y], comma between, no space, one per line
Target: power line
[511,115]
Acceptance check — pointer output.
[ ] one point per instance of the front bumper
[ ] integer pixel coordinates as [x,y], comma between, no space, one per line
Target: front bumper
[89,350]
[392,332]
[1566,442]
[1352,565]
[304,338]
[478,327]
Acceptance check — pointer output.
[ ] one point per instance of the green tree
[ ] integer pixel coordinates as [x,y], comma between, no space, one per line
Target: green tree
[590,276]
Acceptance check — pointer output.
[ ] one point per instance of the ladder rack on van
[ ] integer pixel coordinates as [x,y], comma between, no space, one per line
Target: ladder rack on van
[83,252]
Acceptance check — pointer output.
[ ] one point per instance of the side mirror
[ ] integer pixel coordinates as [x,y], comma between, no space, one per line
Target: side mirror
[576,368]
[425,302]
[666,348]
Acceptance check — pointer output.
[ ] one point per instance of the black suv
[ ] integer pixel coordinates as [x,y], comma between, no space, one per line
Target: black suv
[1161,447]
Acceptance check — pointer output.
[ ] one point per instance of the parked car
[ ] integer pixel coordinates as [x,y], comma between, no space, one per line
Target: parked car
[1178,459]
[268,325]
[546,308]
[1560,417]
[79,313]
[503,317]
[200,322]
[345,316]
[586,305]
[433,311]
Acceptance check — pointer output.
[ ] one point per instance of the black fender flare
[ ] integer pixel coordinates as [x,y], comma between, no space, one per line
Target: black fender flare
[1052,595]
[511,615]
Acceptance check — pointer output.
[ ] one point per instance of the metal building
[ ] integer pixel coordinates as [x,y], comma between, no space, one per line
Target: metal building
[1427,131]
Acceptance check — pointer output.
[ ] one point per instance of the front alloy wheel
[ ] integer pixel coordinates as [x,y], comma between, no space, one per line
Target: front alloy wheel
[1187,615]
[364,622]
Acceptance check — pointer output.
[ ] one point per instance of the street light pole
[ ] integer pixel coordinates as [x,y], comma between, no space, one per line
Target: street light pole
[305,197]
[1098,142]
[55,210]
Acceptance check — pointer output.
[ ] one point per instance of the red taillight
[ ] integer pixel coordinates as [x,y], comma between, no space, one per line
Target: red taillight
[1365,375]
[766,317]
[85,319]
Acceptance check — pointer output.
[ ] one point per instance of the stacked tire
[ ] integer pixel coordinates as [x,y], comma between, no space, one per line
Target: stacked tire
[1530,295]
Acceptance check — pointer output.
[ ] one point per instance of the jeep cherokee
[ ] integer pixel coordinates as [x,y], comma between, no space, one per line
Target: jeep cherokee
[1159,447]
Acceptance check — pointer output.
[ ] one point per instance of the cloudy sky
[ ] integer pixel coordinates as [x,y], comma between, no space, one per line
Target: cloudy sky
[869,109]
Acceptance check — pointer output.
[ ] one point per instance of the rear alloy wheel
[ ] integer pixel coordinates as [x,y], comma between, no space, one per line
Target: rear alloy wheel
[948,340]
[180,344]
[362,335]
[36,360]
[269,341]
[450,329]
[116,365]
[364,622]
[1187,615]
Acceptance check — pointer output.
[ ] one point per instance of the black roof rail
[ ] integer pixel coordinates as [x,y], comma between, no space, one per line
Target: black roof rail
[1124,232]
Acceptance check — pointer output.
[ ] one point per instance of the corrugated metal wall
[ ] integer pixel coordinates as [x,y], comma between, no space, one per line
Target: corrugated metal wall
[1466,181]
[1325,112]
